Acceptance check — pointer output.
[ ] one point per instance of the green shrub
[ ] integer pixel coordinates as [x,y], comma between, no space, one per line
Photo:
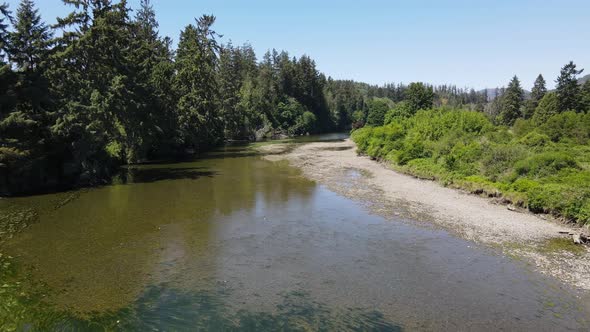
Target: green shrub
[535,139]
[499,159]
[544,164]
[400,111]
[571,126]
[522,127]
[524,185]
[546,168]
[425,168]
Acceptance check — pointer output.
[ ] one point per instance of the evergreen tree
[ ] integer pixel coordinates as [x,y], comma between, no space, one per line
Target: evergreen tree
[568,88]
[29,41]
[196,63]
[539,88]
[154,74]
[419,96]
[5,18]
[548,106]
[24,124]
[511,103]
[230,79]
[537,93]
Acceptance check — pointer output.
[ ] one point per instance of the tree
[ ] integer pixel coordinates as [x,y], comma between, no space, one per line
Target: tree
[154,72]
[26,105]
[511,103]
[568,88]
[419,97]
[230,83]
[5,18]
[548,106]
[196,64]
[537,93]
[29,42]
[378,107]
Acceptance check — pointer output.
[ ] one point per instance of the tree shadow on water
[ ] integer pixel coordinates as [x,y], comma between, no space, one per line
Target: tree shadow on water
[149,175]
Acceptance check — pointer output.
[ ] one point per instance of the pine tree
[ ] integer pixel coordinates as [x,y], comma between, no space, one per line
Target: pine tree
[196,83]
[153,74]
[539,88]
[568,88]
[511,103]
[29,42]
[537,93]
[24,127]
[548,106]
[230,80]
[5,19]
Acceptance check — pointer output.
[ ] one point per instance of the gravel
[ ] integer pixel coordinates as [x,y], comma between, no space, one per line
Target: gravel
[389,193]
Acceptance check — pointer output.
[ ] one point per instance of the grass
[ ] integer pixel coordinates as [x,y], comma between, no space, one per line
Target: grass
[561,244]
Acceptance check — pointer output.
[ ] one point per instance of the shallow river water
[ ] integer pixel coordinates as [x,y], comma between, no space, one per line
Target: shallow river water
[234,242]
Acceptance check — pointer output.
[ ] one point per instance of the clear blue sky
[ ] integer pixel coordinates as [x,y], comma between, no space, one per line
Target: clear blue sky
[470,43]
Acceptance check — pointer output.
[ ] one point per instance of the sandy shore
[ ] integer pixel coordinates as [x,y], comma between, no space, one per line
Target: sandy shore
[389,193]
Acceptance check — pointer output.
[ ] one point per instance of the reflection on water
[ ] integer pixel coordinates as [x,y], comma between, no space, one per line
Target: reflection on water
[239,243]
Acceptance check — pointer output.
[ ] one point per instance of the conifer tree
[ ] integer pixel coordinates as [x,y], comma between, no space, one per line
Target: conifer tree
[512,101]
[196,64]
[5,18]
[568,88]
[537,93]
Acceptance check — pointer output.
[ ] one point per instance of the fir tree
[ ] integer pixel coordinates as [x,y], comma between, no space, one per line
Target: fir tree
[29,42]
[568,88]
[512,101]
[537,93]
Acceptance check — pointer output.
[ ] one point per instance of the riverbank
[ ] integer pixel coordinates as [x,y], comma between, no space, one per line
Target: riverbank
[536,239]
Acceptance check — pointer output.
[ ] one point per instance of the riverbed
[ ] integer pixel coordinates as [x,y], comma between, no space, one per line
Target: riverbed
[232,241]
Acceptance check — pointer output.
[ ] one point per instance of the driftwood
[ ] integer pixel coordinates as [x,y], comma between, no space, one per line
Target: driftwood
[580,238]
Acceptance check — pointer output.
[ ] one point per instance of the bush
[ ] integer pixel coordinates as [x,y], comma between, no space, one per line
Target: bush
[568,125]
[546,168]
[499,160]
[401,111]
[544,164]
[534,139]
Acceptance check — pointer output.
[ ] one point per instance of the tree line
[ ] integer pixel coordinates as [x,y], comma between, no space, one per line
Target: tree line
[532,151]
[541,104]
[102,87]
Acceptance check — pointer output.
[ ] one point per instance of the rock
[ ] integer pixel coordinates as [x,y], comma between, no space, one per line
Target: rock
[577,239]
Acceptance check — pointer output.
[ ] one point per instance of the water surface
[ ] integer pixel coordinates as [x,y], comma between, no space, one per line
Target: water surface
[234,242]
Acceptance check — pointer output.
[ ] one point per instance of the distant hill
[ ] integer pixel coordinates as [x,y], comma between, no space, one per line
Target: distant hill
[583,80]
[492,93]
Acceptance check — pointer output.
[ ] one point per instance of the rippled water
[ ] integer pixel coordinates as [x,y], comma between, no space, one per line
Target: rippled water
[234,242]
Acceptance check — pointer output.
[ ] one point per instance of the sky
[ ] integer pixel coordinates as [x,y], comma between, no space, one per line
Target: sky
[469,43]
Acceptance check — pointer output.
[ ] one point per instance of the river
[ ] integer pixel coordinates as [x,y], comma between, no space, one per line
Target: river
[234,242]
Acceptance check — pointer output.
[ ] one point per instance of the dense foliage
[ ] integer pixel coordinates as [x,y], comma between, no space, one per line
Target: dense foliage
[541,162]
[108,90]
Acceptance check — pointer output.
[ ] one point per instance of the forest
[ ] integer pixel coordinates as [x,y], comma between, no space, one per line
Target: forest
[527,149]
[102,88]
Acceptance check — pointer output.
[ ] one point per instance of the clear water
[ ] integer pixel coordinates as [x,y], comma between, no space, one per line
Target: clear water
[234,242]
